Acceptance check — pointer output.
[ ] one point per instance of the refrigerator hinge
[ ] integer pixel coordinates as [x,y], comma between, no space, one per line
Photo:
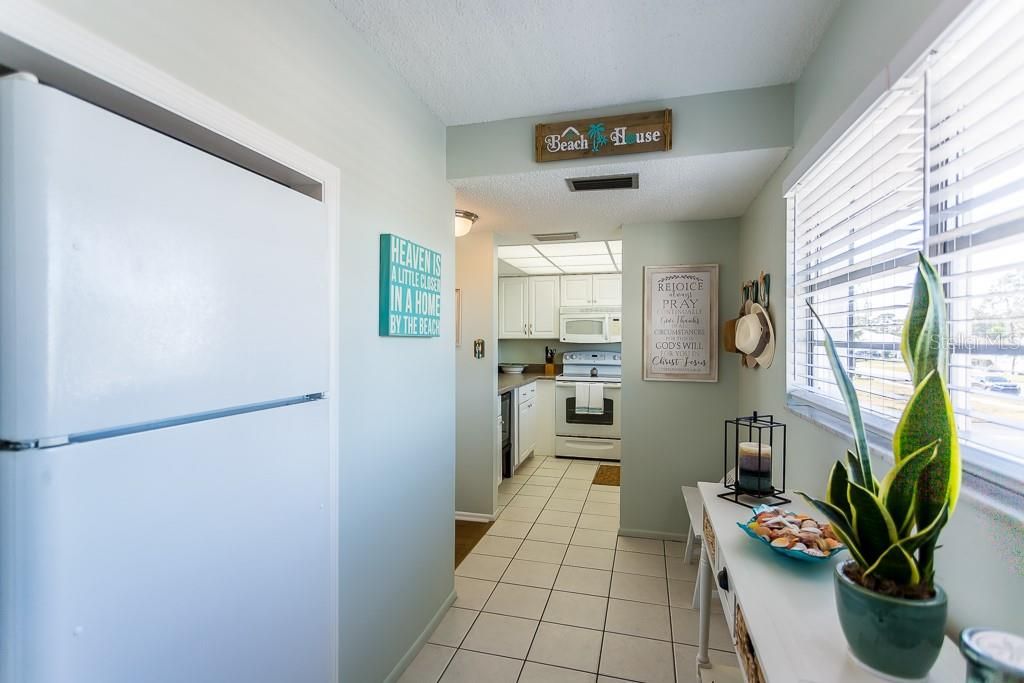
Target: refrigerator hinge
[49,442]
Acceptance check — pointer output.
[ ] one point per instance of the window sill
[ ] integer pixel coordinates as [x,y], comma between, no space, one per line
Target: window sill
[998,491]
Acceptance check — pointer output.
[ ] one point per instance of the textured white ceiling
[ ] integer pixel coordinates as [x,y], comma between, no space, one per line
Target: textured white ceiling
[485,60]
[671,189]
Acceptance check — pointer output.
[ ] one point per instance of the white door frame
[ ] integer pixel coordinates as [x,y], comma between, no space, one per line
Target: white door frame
[53,34]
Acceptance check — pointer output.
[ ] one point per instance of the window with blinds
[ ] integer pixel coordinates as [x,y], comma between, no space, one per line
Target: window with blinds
[935,165]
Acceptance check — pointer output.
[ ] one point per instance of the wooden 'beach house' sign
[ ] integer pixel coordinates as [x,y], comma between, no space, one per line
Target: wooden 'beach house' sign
[410,289]
[649,131]
[681,323]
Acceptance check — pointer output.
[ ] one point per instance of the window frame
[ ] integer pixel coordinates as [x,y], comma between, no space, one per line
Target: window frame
[990,476]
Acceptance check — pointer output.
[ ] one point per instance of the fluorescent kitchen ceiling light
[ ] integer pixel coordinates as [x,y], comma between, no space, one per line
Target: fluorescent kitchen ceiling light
[573,249]
[615,247]
[538,261]
[589,269]
[540,270]
[593,260]
[523,251]
[618,260]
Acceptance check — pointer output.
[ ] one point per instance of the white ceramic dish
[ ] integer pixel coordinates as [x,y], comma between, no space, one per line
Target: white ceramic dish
[512,368]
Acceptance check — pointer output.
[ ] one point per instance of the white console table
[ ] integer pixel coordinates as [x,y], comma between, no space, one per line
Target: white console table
[781,612]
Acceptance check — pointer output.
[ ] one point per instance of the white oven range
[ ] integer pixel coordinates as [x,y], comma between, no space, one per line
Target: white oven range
[588,417]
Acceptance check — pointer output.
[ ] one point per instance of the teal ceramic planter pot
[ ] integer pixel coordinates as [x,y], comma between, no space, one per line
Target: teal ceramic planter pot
[892,636]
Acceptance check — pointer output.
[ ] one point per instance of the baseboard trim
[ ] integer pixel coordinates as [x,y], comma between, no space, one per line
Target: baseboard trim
[645,533]
[473,517]
[411,653]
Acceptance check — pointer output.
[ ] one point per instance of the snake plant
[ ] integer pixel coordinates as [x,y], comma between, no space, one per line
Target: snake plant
[891,526]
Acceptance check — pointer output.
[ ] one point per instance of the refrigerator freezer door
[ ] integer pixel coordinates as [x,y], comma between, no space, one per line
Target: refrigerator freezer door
[142,279]
[197,553]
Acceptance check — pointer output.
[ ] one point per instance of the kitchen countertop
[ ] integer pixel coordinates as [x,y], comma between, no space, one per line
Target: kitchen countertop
[509,382]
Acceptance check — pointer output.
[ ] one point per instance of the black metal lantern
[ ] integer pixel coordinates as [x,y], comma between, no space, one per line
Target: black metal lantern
[755,447]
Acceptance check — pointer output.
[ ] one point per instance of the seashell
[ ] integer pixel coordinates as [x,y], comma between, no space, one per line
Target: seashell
[808,539]
[798,546]
[814,552]
[833,543]
[815,531]
[782,542]
[808,524]
[764,533]
[822,545]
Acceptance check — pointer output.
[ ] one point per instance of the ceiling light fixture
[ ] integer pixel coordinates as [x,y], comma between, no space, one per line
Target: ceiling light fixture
[464,221]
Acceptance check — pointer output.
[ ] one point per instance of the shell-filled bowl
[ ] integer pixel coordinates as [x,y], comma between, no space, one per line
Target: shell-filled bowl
[793,535]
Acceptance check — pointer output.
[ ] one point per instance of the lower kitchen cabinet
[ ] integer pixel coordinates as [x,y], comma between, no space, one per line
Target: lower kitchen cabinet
[527,399]
[545,423]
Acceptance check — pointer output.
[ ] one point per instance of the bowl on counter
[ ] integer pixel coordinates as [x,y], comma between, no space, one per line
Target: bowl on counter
[512,368]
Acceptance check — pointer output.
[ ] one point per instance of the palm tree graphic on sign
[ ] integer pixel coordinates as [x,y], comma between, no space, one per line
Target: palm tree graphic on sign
[597,137]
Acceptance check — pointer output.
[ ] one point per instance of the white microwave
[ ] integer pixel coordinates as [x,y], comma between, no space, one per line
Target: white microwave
[590,325]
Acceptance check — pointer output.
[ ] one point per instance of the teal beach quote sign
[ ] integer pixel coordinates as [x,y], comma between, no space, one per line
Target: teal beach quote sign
[410,289]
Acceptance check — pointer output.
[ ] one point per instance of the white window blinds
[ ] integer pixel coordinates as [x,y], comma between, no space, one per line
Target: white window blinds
[937,164]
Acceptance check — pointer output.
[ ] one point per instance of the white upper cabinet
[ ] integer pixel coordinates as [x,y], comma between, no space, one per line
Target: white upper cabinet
[528,307]
[544,304]
[513,307]
[603,289]
[608,289]
[577,290]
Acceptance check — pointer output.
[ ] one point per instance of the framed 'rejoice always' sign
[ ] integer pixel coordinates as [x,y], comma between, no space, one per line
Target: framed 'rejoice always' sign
[681,323]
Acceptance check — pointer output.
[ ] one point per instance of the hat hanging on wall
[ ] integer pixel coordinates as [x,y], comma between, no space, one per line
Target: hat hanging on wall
[755,336]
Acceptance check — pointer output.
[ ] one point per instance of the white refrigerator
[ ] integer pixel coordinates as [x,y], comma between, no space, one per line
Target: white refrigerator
[164,454]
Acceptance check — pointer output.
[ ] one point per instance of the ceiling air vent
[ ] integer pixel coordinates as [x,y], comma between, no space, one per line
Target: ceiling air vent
[556,236]
[627,181]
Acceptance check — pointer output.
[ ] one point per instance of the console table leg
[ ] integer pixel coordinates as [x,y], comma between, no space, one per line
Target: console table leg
[704,584]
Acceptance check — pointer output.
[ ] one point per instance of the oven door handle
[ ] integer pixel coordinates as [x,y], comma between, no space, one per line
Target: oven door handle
[606,385]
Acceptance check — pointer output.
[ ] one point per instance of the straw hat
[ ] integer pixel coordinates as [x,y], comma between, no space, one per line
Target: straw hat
[755,336]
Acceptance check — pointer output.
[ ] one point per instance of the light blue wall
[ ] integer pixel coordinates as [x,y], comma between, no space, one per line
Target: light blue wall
[981,563]
[672,431]
[299,69]
[715,123]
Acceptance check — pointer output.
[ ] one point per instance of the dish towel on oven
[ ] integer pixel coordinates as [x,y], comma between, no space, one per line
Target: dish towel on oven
[582,398]
[596,402]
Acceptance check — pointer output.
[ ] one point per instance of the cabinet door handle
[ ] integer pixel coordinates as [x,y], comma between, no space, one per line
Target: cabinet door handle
[531,329]
[524,328]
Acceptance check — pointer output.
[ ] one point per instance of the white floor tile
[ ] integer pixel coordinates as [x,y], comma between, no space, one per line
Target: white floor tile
[498,634]
[686,662]
[583,580]
[594,558]
[674,548]
[486,567]
[680,593]
[542,551]
[544,673]
[533,490]
[631,544]
[637,659]
[518,514]
[550,533]
[583,474]
[639,588]
[528,573]
[453,627]
[685,625]
[472,593]
[594,538]
[532,502]
[599,522]
[638,619]
[603,496]
[506,527]
[601,487]
[428,665]
[577,484]
[474,667]
[639,563]
[679,569]
[569,494]
[504,498]
[538,480]
[606,509]
[564,505]
[558,518]
[509,487]
[500,546]
[576,609]
[517,601]
[567,646]
[519,479]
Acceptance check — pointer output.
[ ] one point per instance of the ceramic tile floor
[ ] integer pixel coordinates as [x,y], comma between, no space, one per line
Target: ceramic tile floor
[552,594]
